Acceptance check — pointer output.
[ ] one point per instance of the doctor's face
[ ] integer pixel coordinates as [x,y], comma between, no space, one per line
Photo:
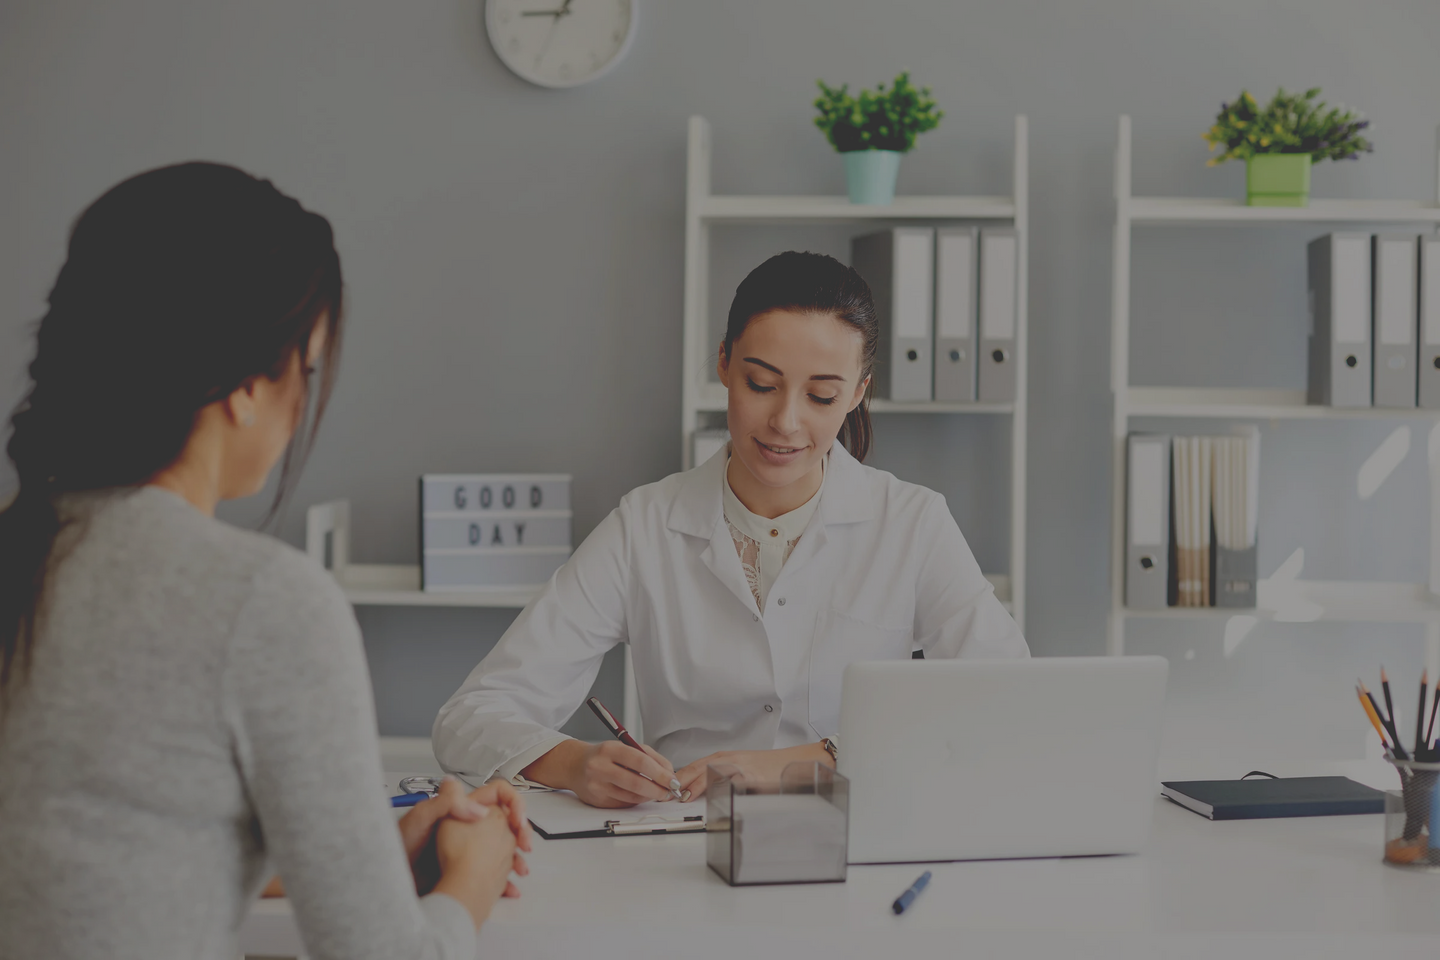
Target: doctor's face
[792,378]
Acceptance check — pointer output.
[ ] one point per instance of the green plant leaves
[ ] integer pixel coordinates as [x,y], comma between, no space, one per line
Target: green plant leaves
[1289,123]
[876,120]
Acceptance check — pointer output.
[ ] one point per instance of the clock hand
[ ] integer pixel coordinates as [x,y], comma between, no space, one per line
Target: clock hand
[540,55]
[564,11]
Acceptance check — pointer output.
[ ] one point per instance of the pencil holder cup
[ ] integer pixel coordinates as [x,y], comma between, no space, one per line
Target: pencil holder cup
[1412,818]
[795,830]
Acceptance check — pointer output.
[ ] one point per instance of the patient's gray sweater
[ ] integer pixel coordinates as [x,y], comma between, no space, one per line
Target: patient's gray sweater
[199,704]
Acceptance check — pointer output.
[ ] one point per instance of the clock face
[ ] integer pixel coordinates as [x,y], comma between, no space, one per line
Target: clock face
[560,43]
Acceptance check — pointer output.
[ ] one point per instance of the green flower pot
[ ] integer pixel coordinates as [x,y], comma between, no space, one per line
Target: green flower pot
[1278,180]
[870,175]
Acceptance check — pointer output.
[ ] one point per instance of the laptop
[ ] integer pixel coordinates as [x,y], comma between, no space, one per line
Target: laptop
[984,759]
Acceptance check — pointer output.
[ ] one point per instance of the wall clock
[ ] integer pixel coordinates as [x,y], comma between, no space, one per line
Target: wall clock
[560,43]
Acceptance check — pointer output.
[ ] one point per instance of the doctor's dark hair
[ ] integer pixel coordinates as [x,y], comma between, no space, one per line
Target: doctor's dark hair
[814,283]
[179,286]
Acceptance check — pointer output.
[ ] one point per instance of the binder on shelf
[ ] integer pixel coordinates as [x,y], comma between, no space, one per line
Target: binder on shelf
[999,252]
[955,303]
[480,531]
[898,264]
[1429,366]
[1147,530]
[1190,468]
[1339,295]
[1236,489]
[1393,286]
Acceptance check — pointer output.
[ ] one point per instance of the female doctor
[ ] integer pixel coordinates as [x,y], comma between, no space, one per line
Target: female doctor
[744,586]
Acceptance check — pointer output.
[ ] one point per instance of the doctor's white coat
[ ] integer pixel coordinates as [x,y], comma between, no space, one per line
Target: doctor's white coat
[881,568]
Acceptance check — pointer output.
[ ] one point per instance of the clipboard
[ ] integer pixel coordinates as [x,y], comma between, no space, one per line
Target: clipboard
[560,815]
[645,826]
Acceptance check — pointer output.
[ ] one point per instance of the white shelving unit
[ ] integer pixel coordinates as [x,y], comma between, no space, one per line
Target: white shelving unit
[702,396]
[327,541]
[1281,601]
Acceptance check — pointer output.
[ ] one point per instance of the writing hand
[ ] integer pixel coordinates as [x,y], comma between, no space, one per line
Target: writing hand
[607,774]
[756,766]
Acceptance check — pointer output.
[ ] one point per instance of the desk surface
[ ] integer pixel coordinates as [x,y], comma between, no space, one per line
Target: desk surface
[1312,887]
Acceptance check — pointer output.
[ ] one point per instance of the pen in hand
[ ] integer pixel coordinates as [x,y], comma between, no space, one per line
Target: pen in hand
[618,731]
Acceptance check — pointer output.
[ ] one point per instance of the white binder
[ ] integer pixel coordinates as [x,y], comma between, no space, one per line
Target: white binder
[899,266]
[1429,367]
[999,250]
[955,303]
[1147,522]
[1394,288]
[1339,293]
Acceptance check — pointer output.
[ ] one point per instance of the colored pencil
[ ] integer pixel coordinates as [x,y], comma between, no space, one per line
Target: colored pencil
[1434,708]
[1396,748]
[1390,705]
[1421,746]
[1374,717]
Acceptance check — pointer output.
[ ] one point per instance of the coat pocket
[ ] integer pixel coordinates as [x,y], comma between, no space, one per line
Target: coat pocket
[840,640]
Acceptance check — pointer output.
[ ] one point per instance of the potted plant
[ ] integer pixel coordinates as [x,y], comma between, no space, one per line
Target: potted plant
[872,130]
[1280,141]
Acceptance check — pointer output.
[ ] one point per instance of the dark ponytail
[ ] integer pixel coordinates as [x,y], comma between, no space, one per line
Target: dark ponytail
[179,285]
[814,283]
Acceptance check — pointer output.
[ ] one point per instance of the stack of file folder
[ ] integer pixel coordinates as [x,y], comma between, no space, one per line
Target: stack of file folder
[1192,520]
[1374,320]
[947,302]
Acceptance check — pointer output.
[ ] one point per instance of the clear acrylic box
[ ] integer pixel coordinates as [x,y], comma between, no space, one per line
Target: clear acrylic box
[793,831]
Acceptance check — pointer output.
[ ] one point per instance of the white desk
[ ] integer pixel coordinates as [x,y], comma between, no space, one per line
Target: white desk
[1306,888]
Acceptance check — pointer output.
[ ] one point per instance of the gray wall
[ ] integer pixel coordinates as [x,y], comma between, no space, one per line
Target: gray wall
[514,259]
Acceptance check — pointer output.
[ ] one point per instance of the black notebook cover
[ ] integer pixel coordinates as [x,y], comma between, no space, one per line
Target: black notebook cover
[1286,797]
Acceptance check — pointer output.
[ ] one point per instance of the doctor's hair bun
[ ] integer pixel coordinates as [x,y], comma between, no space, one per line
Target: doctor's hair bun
[813,283]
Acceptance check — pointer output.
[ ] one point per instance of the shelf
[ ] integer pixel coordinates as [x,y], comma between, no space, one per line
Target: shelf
[398,585]
[939,406]
[1306,601]
[781,209]
[1249,404]
[712,405]
[1182,210]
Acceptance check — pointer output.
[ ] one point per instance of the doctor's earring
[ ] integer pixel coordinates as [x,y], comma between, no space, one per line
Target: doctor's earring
[248,420]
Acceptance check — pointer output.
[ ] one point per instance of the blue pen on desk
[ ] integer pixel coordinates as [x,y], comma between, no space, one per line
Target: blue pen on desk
[908,897]
[409,799]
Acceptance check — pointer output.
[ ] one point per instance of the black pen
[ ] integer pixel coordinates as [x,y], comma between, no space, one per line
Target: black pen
[908,897]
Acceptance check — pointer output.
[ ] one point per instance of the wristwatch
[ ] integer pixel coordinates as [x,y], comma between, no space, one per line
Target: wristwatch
[832,748]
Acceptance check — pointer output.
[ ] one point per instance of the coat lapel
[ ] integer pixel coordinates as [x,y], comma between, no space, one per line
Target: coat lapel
[698,511]
[845,499]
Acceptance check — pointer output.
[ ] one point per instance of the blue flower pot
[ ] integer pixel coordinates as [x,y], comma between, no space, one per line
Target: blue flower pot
[870,175]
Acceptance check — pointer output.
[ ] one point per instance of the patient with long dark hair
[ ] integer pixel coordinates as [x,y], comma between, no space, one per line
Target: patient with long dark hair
[184,705]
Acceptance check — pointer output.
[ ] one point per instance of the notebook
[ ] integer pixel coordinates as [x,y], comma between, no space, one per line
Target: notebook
[1284,797]
[560,815]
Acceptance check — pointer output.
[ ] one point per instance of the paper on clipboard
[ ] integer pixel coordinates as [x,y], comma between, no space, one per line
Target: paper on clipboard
[560,814]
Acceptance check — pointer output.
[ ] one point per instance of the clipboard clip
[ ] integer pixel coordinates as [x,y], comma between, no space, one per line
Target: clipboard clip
[655,824]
